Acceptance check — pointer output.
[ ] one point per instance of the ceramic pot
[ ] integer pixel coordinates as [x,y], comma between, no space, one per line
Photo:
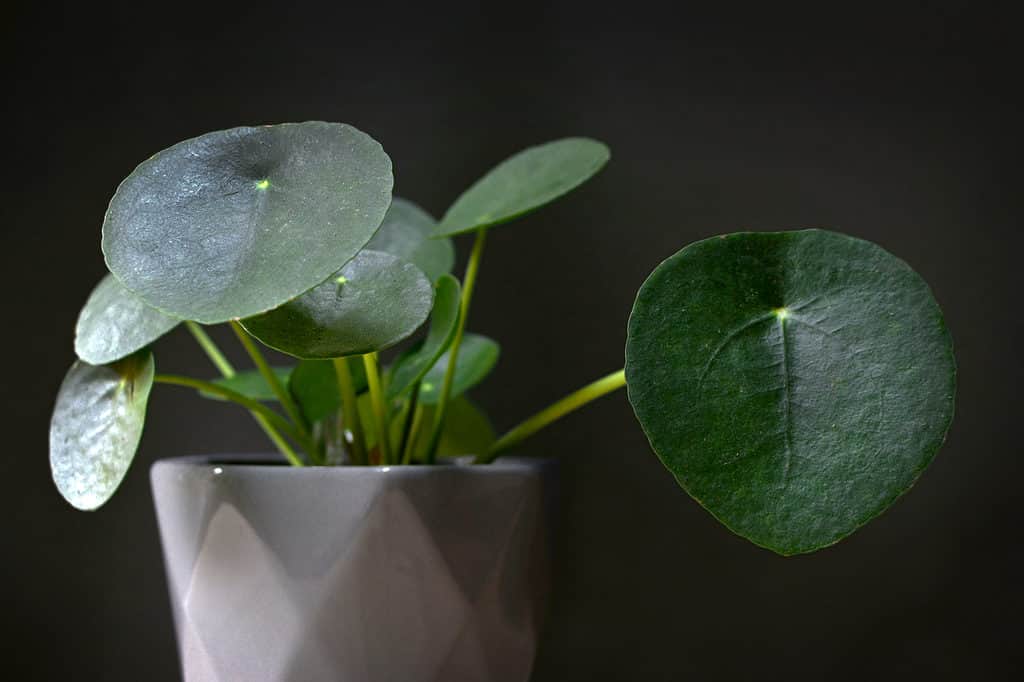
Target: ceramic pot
[354,573]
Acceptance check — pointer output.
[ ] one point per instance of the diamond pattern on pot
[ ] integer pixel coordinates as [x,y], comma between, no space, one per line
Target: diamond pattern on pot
[406,578]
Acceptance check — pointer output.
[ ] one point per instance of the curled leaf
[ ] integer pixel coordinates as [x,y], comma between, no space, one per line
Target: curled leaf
[444,319]
[96,426]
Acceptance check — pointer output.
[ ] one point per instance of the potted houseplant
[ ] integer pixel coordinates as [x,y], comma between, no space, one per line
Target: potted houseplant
[795,383]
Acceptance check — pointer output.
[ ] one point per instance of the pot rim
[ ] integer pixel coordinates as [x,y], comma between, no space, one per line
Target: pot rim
[270,462]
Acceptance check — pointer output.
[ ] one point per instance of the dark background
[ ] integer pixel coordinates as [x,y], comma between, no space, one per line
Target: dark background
[894,125]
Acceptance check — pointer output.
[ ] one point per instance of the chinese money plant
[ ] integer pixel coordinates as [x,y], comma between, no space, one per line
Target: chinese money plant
[794,383]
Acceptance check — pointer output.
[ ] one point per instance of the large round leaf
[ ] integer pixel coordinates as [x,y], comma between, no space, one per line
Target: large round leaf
[374,302]
[443,320]
[525,182]
[115,323]
[406,233]
[236,222]
[795,383]
[477,357]
[96,427]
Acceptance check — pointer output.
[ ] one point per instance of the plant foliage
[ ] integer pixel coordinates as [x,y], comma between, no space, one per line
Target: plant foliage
[794,383]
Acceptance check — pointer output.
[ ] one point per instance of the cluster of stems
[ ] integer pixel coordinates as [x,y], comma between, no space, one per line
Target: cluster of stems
[292,427]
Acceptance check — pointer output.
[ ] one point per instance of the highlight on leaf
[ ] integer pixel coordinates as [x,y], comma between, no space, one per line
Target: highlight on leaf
[794,383]
[96,426]
[114,323]
[236,222]
[373,303]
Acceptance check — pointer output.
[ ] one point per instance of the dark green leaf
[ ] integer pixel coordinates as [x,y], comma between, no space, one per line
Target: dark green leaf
[115,323]
[477,357]
[251,384]
[375,302]
[234,223]
[314,385]
[406,233]
[96,426]
[443,320]
[795,383]
[523,183]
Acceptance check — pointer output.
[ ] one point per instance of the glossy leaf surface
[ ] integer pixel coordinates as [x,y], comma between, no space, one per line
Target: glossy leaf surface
[795,383]
[236,222]
[314,385]
[96,426]
[375,301]
[477,357]
[524,183]
[444,318]
[406,233]
[114,323]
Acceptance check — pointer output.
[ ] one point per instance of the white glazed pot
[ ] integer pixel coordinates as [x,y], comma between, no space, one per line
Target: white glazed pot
[368,574]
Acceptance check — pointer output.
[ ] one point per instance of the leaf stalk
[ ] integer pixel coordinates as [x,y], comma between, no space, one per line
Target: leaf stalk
[469,283]
[570,403]
[350,410]
[227,371]
[380,414]
[273,419]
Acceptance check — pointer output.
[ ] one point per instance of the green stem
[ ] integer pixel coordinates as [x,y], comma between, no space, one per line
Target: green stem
[453,353]
[414,432]
[281,443]
[350,410]
[268,375]
[407,423]
[571,402]
[380,414]
[212,352]
[317,455]
[273,418]
[227,371]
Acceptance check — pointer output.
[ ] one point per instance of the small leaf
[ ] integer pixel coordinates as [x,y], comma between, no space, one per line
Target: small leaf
[477,357]
[375,302]
[96,426]
[237,222]
[406,233]
[443,320]
[251,384]
[114,323]
[524,183]
[795,383]
[467,431]
[314,385]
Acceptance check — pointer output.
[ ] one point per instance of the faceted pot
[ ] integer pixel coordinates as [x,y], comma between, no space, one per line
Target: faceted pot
[365,574]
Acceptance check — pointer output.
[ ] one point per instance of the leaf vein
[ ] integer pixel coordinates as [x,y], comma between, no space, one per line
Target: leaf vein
[725,341]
